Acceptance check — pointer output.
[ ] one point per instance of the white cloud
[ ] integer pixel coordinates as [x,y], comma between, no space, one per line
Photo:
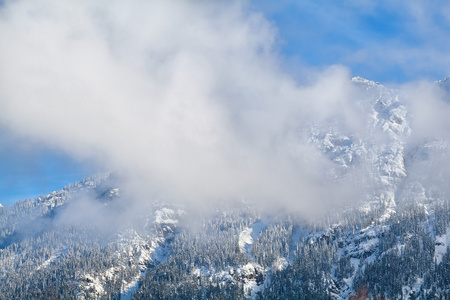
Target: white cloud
[185,99]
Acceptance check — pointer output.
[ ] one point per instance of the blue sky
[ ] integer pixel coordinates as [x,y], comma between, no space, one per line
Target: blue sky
[28,170]
[393,42]
[385,41]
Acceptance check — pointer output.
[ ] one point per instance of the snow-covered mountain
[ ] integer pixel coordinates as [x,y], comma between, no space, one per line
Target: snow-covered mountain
[85,242]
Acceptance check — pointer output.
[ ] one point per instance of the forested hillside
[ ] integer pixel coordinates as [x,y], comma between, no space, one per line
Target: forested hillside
[234,253]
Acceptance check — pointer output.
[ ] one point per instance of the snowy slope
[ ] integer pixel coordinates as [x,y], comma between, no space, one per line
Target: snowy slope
[399,227]
[376,156]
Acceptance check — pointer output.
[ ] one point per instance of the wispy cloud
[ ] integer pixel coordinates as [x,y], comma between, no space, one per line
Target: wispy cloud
[384,41]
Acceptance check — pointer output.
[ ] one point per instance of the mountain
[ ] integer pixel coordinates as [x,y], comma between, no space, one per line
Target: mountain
[86,242]
[444,83]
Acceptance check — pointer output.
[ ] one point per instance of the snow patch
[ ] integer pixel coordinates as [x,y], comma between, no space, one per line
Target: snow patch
[52,258]
[253,278]
[245,239]
[165,216]
[132,286]
[280,264]
[441,244]
[248,235]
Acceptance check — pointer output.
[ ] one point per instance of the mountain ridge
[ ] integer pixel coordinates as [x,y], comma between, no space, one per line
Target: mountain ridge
[82,242]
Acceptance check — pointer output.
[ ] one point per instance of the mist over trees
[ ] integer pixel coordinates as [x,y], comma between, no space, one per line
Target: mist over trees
[162,257]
